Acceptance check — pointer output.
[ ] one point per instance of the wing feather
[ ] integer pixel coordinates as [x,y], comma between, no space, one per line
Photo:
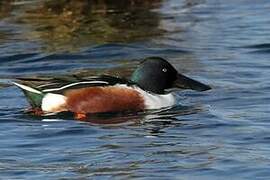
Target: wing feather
[59,85]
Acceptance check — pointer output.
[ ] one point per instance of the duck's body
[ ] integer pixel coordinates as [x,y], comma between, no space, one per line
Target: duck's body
[104,93]
[97,95]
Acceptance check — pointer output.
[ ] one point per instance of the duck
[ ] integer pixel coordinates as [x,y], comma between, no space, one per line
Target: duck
[147,89]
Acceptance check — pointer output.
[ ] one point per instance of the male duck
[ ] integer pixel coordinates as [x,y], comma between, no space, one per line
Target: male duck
[99,94]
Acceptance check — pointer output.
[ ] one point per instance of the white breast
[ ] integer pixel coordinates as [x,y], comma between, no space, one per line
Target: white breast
[153,101]
[156,101]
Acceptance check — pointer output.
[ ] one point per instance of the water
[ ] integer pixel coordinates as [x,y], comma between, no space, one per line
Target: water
[219,134]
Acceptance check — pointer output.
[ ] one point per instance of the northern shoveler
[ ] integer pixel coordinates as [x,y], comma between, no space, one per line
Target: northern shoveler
[145,90]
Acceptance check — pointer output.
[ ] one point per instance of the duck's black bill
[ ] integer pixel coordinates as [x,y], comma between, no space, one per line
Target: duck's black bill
[184,82]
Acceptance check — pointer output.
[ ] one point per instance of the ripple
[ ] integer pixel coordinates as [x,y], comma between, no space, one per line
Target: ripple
[263,48]
[219,134]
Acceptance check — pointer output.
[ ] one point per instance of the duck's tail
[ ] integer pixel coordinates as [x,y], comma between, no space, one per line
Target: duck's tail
[33,95]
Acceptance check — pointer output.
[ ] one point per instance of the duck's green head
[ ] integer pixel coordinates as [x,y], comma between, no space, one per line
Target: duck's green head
[155,74]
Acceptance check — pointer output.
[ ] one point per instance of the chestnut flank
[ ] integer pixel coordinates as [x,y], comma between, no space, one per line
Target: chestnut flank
[103,99]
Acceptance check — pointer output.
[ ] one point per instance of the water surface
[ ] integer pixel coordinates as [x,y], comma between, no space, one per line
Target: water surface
[219,134]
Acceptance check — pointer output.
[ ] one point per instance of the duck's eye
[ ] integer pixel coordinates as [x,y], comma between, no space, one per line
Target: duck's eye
[164,70]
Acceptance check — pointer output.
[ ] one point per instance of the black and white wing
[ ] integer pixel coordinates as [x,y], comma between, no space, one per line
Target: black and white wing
[60,85]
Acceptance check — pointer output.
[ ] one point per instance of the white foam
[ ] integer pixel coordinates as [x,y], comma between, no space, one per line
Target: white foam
[51,120]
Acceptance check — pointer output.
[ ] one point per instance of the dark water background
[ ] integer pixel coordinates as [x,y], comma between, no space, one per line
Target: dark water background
[220,134]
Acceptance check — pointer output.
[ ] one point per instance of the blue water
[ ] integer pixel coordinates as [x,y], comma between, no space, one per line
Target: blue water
[220,134]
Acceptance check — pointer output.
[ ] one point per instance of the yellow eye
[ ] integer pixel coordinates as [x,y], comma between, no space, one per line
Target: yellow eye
[164,70]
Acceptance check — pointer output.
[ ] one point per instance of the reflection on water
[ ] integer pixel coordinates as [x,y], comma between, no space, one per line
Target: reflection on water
[162,116]
[5,8]
[71,24]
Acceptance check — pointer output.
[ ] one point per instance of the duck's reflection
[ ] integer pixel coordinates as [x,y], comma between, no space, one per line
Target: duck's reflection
[161,117]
